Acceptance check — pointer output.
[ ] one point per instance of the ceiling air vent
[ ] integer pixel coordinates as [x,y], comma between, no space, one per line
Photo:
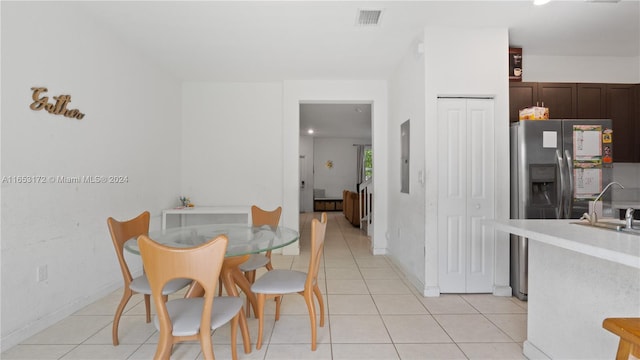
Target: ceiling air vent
[368,17]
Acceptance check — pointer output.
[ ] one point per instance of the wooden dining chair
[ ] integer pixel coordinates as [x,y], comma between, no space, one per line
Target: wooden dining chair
[121,231]
[189,319]
[260,217]
[628,329]
[277,283]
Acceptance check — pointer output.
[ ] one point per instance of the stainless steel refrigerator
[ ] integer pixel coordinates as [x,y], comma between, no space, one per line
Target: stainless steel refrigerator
[557,167]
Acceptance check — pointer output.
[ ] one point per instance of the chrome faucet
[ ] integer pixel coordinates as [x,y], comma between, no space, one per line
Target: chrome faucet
[593,218]
[628,217]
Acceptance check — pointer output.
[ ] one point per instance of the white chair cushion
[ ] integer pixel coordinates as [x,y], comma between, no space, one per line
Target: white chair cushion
[141,285]
[280,282]
[185,314]
[256,261]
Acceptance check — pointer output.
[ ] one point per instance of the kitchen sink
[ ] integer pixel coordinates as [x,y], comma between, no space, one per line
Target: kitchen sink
[613,224]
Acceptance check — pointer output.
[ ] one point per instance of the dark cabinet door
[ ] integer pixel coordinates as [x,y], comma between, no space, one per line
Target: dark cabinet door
[635,124]
[621,109]
[521,95]
[560,98]
[592,101]
[618,102]
[636,121]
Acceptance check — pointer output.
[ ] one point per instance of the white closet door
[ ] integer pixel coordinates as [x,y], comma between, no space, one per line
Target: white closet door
[452,194]
[466,194]
[480,195]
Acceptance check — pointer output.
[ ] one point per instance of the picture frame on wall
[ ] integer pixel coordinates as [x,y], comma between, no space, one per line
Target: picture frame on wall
[515,64]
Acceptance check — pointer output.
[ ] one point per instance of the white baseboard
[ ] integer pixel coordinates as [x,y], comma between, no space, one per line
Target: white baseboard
[416,282]
[431,291]
[17,336]
[502,290]
[532,352]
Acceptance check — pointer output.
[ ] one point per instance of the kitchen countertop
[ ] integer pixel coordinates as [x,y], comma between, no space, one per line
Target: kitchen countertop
[577,275]
[618,247]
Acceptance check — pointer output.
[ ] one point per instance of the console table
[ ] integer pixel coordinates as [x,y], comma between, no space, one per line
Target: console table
[327,204]
[226,212]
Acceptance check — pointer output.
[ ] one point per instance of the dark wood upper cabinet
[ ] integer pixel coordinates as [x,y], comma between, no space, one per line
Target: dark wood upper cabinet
[621,109]
[560,98]
[636,143]
[521,95]
[592,101]
[618,102]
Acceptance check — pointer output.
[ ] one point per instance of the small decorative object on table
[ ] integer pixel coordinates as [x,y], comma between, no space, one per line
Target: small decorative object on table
[186,202]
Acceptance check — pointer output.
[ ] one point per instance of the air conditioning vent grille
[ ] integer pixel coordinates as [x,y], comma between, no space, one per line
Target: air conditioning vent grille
[369,17]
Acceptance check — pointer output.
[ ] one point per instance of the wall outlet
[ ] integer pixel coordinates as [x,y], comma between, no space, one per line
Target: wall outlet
[42,273]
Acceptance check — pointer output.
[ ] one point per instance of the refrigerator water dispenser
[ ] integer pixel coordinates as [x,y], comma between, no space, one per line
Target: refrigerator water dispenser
[544,191]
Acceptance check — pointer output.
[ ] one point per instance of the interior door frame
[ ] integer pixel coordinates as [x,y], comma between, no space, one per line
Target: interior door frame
[304,203]
[374,92]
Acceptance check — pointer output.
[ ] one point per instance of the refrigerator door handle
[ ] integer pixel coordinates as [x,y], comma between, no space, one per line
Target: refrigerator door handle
[569,190]
[560,208]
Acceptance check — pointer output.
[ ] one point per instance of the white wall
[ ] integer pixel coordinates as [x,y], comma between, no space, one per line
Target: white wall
[343,174]
[407,220]
[627,174]
[597,69]
[306,174]
[475,65]
[232,144]
[374,92]
[131,128]
[241,142]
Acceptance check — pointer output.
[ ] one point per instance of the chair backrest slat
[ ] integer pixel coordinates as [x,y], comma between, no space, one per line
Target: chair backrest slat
[201,263]
[260,217]
[121,231]
[318,231]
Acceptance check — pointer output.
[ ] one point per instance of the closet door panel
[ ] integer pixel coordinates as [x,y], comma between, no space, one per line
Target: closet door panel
[466,180]
[481,195]
[452,228]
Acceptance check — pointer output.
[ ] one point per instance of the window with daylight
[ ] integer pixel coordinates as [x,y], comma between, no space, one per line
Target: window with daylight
[368,163]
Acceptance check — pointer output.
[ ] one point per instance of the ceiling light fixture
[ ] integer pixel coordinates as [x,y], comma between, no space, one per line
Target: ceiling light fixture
[540,2]
[310,131]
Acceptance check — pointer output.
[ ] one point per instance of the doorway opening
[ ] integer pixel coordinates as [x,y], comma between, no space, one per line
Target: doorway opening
[335,152]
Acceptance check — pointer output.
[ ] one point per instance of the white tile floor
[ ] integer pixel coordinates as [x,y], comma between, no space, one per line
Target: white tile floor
[372,313]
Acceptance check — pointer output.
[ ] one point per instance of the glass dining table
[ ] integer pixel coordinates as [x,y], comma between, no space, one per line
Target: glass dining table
[244,240]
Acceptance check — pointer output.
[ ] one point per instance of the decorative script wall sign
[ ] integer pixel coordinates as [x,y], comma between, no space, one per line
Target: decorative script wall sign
[58,108]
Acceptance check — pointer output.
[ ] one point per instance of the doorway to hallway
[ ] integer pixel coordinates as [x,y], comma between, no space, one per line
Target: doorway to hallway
[330,136]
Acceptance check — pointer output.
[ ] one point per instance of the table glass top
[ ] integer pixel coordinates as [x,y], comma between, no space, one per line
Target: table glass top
[243,239]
